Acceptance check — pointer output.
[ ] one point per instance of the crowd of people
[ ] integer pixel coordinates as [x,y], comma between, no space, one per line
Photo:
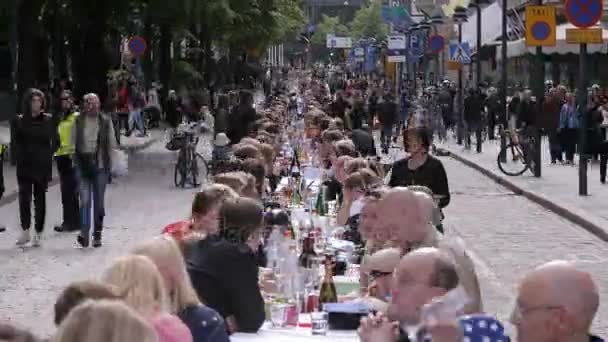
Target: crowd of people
[200,279]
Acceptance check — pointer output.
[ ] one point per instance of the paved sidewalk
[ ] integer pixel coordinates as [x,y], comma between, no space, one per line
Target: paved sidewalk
[556,190]
[130,145]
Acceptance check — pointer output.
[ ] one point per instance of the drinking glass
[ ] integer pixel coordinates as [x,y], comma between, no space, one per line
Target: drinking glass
[319,323]
[278,314]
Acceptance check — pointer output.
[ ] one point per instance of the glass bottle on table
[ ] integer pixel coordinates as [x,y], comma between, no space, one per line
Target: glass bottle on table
[328,293]
[308,255]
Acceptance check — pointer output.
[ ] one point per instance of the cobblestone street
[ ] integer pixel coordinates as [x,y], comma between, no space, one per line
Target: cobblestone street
[507,235]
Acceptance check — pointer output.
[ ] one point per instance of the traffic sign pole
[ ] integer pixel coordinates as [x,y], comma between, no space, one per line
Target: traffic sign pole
[582,102]
[540,95]
[583,15]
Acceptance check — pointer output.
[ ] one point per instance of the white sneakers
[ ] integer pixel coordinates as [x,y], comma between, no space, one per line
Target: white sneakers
[26,237]
[36,239]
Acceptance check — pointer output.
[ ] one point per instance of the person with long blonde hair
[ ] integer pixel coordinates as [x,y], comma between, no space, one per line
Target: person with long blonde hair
[142,286]
[104,321]
[205,324]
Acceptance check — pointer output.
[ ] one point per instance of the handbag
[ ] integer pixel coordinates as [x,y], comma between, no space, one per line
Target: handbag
[120,163]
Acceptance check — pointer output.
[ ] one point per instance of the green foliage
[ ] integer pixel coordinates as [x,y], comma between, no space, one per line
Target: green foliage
[289,18]
[328,25]
[368,23]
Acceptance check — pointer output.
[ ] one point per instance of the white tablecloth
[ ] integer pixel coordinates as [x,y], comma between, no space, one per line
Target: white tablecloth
[267,334]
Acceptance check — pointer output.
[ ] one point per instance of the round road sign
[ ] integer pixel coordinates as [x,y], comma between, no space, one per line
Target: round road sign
[541,30]
[584,13]
[436,43]
[137,46]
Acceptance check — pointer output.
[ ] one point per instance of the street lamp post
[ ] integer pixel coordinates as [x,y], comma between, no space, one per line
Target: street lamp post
[437,19]
[460,17]
[503,84]
[412,33]
[425,27]
[478,5]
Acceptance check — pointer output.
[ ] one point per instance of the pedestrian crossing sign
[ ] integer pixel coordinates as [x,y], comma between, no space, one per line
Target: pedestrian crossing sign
[460,52]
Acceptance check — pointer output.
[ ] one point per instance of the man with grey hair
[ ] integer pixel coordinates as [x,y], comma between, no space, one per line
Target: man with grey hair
[556,302]
[420,277]
[93,135]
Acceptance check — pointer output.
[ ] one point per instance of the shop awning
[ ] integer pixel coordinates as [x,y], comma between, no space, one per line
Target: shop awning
[518,48]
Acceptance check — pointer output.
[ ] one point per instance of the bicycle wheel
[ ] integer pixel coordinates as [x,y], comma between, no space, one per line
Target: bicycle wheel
[179,178]
[515,163]
[194,172]
[203,168]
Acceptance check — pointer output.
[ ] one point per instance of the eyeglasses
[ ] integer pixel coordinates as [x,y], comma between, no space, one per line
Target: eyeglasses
[379,274]
[519,312]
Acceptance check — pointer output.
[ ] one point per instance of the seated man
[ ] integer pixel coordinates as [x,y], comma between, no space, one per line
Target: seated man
[420,276]
[556,302]
[379,267]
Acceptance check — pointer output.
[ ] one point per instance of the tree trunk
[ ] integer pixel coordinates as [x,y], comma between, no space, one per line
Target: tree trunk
[165,60]
[27,64]
[147,57]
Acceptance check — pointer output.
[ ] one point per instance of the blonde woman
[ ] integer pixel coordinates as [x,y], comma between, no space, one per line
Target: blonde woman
[104,321]
[205,324]
[139,281]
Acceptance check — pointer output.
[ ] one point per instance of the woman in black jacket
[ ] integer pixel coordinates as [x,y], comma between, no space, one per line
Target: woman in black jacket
[224,269]
[34,140]
[420,168]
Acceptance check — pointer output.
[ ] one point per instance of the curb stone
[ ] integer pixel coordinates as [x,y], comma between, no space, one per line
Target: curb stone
[573,215]
[12,196]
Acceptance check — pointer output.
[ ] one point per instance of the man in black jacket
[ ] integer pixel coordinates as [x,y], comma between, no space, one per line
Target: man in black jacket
[473,108]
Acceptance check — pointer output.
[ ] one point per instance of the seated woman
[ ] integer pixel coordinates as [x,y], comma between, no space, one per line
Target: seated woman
[204,219]
[140,283]
[105,321]
[205,324]
[224,271]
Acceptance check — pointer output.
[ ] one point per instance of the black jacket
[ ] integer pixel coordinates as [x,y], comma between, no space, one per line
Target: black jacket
[225,277]
[431,174]
[364,142]
[34,141]
[388,113]
[239,123]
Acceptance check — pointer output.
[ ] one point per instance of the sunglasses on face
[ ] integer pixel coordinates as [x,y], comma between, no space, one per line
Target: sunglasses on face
[379,274]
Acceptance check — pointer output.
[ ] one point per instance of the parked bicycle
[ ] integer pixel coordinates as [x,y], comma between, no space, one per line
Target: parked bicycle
[191,167]
[519,151]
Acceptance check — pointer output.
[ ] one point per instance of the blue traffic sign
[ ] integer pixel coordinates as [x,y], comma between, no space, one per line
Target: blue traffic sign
[541,30]
[584,13]
[137,46]
[436,43]
[460,52]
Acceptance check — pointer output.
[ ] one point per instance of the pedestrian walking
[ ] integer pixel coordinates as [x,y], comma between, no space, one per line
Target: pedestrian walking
[568,127]
[473,108]
[549,122]
[34,141]
[93,136]
[136,104]
[64,157]
[387,116]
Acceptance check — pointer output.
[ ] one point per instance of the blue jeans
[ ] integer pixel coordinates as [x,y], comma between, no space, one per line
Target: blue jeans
[136,121]
[92,190]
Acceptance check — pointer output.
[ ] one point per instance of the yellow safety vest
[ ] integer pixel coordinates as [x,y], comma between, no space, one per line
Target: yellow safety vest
[66,146]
